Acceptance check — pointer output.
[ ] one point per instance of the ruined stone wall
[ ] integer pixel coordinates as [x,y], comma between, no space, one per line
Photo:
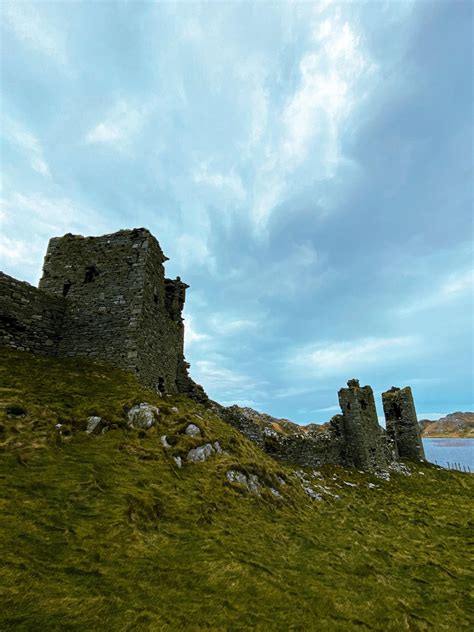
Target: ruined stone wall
[30,320]
[102,281]
[160,333]
[402,423]
[120,308]
[295,445]
[365,442]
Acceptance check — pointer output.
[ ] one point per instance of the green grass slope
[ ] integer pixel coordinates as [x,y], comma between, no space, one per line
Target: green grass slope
[105,532]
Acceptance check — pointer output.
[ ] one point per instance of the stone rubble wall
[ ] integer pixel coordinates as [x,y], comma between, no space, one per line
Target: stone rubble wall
[30,320]
[102,280]
[311,449]
[364,437]
[402,422]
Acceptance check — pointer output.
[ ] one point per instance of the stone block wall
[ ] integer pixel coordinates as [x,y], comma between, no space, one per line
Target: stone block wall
[30,320]
[402,422]
[308,448]
[365,441]
[120,308]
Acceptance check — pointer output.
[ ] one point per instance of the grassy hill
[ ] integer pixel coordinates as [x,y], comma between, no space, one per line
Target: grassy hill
[107,532]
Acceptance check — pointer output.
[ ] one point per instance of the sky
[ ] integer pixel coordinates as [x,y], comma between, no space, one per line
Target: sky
[307,168]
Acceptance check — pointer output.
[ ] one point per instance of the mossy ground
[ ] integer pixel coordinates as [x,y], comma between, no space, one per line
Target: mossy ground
[105,532]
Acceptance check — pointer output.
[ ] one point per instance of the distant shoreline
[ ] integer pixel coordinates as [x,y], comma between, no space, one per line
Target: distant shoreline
[446,435]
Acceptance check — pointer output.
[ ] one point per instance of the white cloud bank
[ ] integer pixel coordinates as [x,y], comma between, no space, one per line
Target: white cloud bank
[335,358]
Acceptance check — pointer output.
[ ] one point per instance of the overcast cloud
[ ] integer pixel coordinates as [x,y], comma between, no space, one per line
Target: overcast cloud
[307,167]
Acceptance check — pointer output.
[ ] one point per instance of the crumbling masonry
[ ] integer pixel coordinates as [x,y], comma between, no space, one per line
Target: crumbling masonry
[353,438]
[107,298]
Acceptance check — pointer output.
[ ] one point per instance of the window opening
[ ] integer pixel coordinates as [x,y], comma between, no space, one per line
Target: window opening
[91,274]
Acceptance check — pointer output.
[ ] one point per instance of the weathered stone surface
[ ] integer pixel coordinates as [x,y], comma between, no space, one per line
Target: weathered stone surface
[93,424]
[30,320]
[104,298]
[192,430]
[402,423]
[164,441]
[201,453]
[365,444]
[233,476]
[142,416]
[177,460]
[250,481]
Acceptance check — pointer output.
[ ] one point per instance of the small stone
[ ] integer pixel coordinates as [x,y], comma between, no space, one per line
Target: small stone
[275,492]
[174,409]
[193,431]
[164,441]
[177,460]
[202,453]
[92,424]
[217,447]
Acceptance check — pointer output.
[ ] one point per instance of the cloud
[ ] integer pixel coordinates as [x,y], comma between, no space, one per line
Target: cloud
[34,31]
[228,384]
[119,127]
[336,358]
[56,215]
[227,183]
[190,334]
[332,74]
[14,250]
[28,144]
[327,409]
[451,288]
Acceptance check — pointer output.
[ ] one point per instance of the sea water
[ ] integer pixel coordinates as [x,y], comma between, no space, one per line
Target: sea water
[450,452]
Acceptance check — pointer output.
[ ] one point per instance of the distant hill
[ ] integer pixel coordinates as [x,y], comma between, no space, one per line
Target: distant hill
[453,425]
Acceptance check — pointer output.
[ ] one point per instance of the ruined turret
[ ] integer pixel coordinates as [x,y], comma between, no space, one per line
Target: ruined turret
[402,424]
[365,442]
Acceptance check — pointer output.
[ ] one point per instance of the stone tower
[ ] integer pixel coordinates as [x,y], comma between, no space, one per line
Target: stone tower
[120,308]
[365,441]
[402,424]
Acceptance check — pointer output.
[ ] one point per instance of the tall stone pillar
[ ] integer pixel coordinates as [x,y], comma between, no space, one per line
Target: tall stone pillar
[402,424]
[365,443]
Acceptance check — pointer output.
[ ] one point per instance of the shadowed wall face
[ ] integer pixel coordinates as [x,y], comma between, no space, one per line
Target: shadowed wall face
[365,441]
[402,423]
[30,320]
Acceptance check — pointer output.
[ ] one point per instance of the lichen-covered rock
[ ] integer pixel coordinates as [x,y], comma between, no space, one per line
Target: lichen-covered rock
[142,416]
[254,484]
[233,476]
[93,424]
[251,482]
[218,448]
[164,441]
[201,453]
[193,431]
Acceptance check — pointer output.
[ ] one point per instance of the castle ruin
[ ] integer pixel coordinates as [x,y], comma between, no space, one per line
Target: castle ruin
[104,298]
[107,298]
